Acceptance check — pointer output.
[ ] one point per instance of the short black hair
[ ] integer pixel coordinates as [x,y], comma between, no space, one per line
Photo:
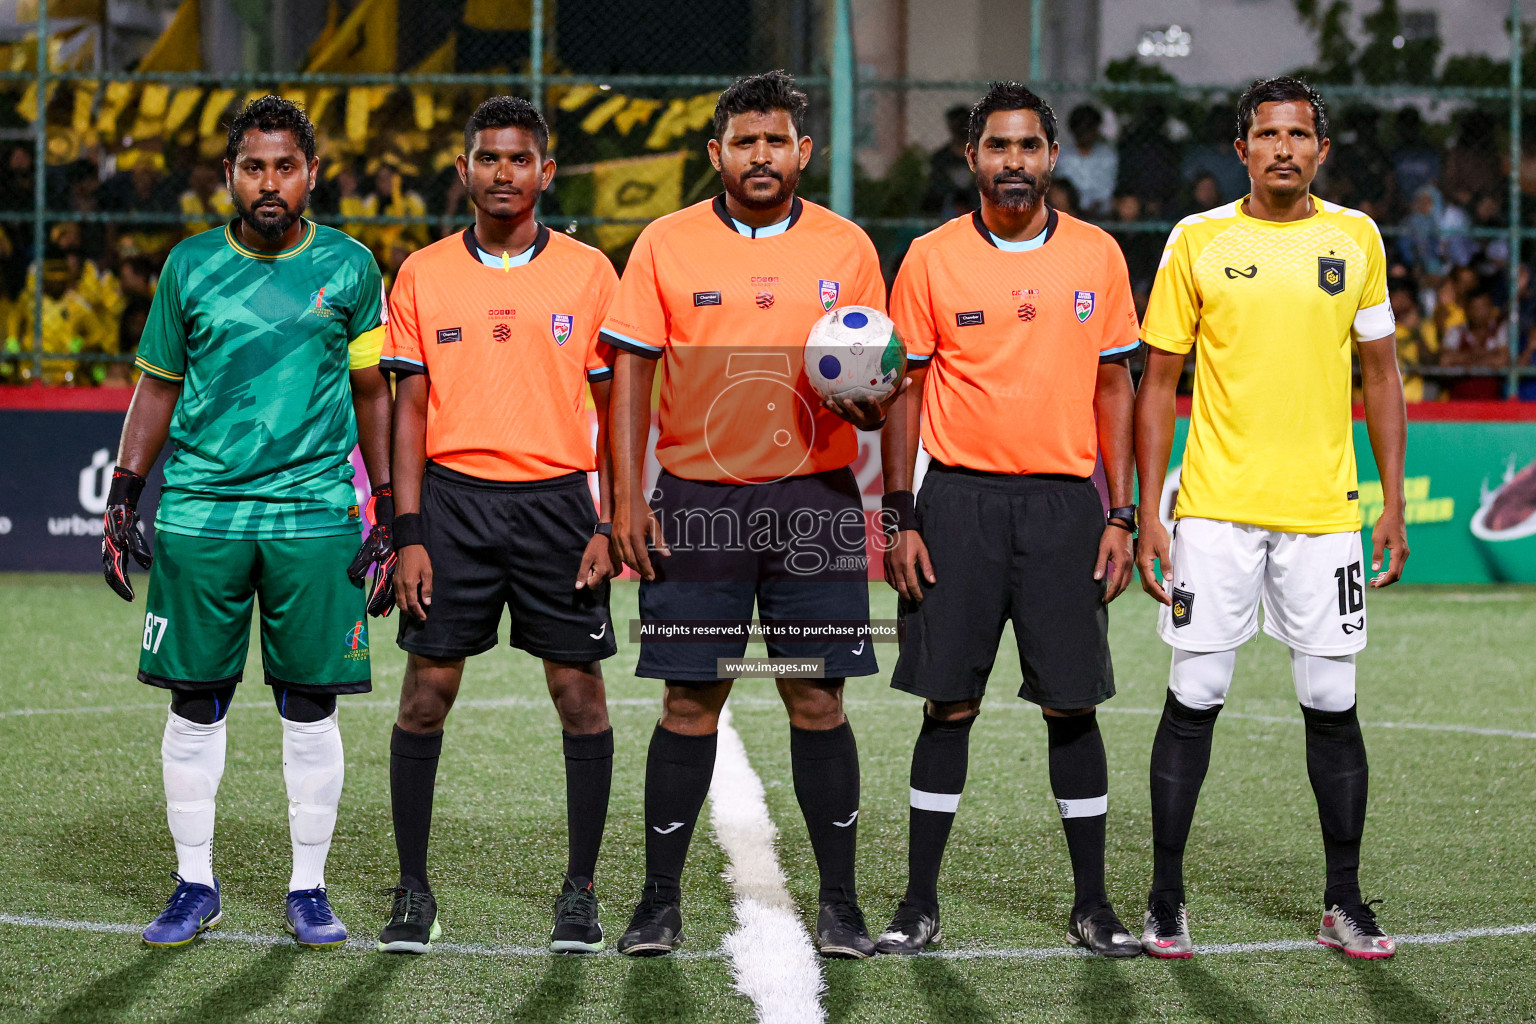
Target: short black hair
[507,112]
[1010,96]
[761,94]
[1284,89]
[271,114]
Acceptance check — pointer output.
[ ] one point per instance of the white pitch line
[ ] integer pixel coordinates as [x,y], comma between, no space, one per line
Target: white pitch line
[512,952]
[1229,948]
[655,702]
[771,955]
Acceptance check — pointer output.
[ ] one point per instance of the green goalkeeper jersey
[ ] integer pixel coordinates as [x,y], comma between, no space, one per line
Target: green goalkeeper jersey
[261,343]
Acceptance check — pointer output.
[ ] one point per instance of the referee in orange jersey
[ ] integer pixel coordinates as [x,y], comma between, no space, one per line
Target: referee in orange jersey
[1018,320]
[756,503]
[493,333]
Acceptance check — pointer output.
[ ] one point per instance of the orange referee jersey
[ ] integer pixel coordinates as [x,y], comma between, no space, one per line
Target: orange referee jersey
[508,353]
[1013,341]
[727,313]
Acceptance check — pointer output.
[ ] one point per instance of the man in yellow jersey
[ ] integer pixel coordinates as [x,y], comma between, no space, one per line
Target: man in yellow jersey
[1274,292]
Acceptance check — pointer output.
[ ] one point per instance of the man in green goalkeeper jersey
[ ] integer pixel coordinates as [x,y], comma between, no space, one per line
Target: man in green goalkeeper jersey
[260,362]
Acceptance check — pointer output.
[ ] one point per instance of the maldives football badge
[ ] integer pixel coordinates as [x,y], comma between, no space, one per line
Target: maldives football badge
[1082,305]
[560,326]
[828,295]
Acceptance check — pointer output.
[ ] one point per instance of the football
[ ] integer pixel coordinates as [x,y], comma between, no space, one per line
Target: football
[854,352]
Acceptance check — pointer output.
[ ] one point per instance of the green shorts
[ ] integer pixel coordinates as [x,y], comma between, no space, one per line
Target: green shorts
[197,626]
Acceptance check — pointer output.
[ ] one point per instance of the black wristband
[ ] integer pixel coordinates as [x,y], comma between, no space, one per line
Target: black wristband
[603,530]
[126,487]
[1126,513]
[902,509]
[408,529]
[1123,525]
[383,505]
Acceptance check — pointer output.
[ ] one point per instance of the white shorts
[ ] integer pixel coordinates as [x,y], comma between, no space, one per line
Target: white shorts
[1312,586]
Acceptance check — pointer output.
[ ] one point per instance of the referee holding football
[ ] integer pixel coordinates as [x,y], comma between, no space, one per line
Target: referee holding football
[722,295]
[493,333]
[1018,320]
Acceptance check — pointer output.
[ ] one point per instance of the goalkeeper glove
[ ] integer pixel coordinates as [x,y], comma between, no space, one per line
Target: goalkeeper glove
[121,534]
[378,550]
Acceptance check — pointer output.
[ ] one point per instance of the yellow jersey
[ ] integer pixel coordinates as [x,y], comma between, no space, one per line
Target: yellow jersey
[1272,311]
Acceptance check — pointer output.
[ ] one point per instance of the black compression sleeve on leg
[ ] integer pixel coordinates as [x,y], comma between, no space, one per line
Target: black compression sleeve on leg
[940,760]
[825,766]
[1080,782]
[588,780]
[298,705]
[1181,754]
[1340,776]
[412,781]
[202,706]
[678,770]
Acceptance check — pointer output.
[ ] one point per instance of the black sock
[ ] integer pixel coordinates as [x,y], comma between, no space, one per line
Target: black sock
[825,766]
[678,769]
[1340,777]
[1080,782]
[588,778]
[1181,753]
[412,780]
[939,762]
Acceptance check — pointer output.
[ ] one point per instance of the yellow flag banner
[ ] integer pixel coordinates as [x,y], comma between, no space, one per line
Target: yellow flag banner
[366,42]
[218,99]
[439,61]
[179,46]
[183,103]
[641,187]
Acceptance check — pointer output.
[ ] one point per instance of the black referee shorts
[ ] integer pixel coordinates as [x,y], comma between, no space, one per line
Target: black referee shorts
[497,544]
[794,546]
[1008,548]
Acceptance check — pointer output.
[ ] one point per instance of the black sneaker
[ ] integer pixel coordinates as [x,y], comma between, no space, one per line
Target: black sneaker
[912,930]
[1099,931]
[412,926]
[841,933]
[655,930]
[576,926]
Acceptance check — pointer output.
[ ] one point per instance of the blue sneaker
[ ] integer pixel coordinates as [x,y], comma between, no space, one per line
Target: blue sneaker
[192,908]
[312,922]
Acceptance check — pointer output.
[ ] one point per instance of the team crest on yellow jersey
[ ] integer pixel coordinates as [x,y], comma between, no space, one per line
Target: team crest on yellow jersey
[1330,274]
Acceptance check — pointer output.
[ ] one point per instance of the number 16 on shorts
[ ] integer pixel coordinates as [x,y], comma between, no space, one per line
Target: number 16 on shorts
[154,631]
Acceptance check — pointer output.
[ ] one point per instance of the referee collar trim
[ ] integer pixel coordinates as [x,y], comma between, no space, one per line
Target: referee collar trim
[1045,236]
[796,208]
[540,240]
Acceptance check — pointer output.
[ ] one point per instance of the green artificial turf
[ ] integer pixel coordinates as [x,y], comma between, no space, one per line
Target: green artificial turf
[1448,844]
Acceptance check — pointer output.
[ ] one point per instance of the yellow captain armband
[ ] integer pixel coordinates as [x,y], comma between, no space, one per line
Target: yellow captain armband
[363,351]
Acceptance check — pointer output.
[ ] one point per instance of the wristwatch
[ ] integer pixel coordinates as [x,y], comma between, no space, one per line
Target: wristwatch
[603,530]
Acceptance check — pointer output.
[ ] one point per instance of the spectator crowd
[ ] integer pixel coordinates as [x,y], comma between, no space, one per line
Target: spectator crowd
[1438,191]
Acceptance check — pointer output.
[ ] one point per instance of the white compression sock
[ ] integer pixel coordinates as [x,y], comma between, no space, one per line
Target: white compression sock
[313,768]
[1324,684]
[1201,680]
[192,758]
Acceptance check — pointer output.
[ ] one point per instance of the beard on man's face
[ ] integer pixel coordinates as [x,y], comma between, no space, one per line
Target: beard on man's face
[1005,191]
[271,215]
[737,187]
